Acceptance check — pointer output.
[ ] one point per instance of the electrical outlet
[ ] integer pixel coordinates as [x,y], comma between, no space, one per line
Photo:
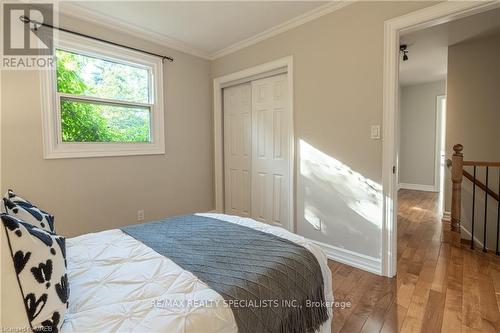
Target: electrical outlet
[140,215]
[313,219]
[316,222]
[375,132]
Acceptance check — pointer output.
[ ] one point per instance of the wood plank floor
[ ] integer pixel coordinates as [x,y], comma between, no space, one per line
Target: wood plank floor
[440,285]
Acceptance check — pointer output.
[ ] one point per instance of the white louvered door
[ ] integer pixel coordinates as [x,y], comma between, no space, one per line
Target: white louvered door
[256,149]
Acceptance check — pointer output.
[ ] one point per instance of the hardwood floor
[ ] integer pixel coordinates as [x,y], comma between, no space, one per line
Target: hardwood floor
[440,285]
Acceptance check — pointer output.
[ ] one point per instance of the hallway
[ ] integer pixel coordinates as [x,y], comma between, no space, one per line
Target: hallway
[440,287]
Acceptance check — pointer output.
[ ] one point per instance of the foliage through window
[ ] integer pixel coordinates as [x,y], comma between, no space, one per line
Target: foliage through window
[102,100]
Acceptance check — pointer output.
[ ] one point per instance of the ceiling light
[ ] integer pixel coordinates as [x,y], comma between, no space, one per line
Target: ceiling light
[403,50]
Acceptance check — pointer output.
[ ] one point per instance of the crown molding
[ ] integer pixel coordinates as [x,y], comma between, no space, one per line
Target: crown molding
[70,9]
[283,27]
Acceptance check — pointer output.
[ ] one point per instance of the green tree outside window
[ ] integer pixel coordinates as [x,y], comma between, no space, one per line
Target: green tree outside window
[87,121]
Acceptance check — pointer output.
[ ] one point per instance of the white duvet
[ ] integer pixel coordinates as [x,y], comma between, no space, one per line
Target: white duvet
[118,284]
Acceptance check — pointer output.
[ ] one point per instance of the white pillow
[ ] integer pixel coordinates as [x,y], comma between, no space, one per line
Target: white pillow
[39,260]
[24,210]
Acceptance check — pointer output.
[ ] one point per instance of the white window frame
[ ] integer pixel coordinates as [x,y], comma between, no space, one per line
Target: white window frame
[54,147]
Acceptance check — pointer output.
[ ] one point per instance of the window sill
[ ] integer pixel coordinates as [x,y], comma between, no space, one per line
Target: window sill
[86,150]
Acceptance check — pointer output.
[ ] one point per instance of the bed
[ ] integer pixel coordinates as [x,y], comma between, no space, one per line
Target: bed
[118,284]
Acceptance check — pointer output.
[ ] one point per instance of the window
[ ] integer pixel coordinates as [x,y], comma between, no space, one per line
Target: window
[102,100]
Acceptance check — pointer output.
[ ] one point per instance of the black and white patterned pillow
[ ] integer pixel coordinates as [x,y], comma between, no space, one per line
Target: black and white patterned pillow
[24,210]
[39,259]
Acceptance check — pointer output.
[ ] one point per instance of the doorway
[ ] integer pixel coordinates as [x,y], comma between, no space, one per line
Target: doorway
[426,18]
[441,148]
[421,135]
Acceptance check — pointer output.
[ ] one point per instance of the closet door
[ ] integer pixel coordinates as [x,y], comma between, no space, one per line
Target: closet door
[237,149]
[270,151]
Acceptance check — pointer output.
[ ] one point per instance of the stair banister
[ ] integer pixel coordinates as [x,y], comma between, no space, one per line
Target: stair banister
[457,161]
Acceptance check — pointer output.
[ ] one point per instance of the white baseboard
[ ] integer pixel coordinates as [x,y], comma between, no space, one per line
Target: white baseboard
[358,260]
[465,234]
[468,235]
[417,187]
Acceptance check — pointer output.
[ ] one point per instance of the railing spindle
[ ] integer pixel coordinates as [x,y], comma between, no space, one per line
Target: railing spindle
[457,164]
[473,208]
[485,211]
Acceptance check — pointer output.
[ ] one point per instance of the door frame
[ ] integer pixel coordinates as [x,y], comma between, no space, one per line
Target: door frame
[283,64]
[439,142]
[421,19]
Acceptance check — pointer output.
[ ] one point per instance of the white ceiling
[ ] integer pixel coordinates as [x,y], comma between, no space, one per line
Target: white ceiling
[428,48]
[205,27]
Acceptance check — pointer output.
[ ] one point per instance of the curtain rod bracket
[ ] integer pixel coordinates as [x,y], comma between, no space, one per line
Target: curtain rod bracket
[24,19]
[27,20]
[36,25]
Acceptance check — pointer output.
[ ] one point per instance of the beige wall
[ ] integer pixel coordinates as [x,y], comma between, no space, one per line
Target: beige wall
[417,155]
[473,105]
[473,115]
[338,65]
[92,194]
[473,102]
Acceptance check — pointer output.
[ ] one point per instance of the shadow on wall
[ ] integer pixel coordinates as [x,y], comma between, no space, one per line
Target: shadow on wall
[337,205]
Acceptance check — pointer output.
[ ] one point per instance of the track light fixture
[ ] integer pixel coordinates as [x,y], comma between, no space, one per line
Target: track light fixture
[403,50]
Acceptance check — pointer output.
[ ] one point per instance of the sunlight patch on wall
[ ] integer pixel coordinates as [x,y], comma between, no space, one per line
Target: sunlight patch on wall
[312,217]
[360,194]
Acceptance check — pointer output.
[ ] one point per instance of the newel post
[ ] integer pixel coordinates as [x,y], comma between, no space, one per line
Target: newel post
[456,194]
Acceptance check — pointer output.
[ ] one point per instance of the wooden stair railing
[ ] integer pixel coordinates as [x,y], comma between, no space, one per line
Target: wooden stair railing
[479,184]
[457,174]
[457,167]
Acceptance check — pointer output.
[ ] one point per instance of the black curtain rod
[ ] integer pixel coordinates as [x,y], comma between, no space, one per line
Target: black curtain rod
[37,24]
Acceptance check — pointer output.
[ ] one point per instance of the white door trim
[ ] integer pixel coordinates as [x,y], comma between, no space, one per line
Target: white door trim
[439,135]
[424,18]
[219,84]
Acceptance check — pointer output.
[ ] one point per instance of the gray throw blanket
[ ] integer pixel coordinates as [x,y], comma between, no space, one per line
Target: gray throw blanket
[272,277]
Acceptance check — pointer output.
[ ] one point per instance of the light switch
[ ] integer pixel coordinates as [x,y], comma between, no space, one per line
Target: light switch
[375,132]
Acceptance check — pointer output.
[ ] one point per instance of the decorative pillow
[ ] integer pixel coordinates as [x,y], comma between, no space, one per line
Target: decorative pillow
[24,210]
[39,259]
